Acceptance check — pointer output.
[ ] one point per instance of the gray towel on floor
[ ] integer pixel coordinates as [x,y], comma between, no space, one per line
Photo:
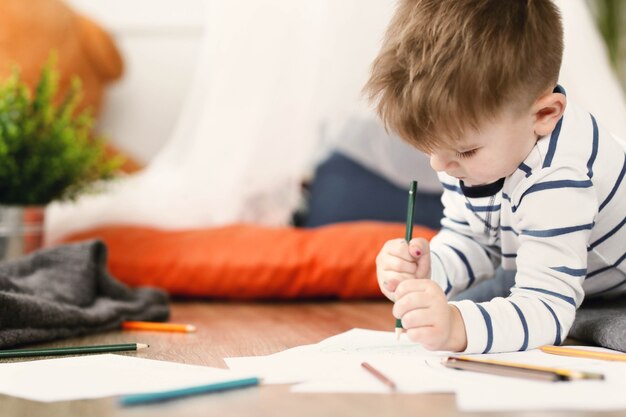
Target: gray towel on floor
[67,291]
[601,322]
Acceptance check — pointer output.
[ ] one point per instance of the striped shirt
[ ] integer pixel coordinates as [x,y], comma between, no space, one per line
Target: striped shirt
[558,220]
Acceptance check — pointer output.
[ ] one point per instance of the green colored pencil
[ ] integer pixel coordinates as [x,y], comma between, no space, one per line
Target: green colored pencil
[71,350]
[408,235]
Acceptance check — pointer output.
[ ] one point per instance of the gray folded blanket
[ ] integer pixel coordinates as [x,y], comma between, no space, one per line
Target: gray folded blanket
[67,291]
[602,322]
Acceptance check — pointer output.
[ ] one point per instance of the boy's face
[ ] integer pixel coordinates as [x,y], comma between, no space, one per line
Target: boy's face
[494,152]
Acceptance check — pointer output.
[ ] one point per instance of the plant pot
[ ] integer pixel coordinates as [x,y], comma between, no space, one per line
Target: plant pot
[21,230]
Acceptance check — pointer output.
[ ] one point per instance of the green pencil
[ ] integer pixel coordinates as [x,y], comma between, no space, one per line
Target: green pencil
[408,235]
[71,350]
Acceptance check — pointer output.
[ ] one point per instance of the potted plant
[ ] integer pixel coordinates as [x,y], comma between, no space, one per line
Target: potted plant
[48,152]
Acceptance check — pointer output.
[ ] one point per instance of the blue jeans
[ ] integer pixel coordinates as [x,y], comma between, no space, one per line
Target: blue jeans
[498,286]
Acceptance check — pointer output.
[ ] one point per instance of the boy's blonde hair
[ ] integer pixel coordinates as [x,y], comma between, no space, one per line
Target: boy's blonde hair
[449,65]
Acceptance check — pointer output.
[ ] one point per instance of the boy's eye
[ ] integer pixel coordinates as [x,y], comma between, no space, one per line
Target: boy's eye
[466,154]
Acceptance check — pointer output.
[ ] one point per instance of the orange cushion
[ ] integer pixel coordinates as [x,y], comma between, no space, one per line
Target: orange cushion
[247,261]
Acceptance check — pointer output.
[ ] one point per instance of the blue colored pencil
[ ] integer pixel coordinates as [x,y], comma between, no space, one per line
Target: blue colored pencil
[153,397]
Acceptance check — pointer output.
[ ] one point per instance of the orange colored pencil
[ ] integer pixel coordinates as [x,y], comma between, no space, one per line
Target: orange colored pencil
[158,327]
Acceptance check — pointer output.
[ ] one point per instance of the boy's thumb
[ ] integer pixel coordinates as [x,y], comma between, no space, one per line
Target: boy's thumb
[420,250]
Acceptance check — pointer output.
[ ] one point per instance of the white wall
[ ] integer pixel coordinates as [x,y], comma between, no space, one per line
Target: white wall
[159,41]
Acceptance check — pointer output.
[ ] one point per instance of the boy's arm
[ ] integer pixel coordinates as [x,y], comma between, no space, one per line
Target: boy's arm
[553,218]
[460,257]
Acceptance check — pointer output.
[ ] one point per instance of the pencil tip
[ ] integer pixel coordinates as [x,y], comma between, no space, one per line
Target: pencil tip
[398,333]
[190,328]
[142,346]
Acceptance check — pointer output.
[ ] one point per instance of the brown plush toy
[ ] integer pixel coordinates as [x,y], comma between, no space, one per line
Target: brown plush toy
[31,29]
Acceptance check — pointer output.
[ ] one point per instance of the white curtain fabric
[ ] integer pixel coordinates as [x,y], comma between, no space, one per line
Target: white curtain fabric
[276,79]
[586,73]
[273,76]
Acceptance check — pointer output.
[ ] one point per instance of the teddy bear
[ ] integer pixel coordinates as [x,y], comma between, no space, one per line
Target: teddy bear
[31,30]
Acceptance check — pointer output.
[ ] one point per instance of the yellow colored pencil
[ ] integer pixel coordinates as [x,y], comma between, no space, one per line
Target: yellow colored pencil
[158,327]
[583,353]
[518,369]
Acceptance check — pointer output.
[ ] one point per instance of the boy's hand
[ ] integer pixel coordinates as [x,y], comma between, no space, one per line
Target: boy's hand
[398,261]
[403,272]
[427,317]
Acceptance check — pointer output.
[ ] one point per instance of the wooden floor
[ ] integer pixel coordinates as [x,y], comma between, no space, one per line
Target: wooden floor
[242,329]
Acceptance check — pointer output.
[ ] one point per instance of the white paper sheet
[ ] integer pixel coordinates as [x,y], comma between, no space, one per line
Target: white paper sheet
[363,341]
[411,375]
[95,376]
[337,355]
[334,365]
[501,394]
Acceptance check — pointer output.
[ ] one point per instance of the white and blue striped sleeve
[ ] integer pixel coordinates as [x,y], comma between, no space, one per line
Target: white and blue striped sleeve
[553,216]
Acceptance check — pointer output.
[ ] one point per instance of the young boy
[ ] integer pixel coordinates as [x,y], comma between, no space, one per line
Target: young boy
[531,182]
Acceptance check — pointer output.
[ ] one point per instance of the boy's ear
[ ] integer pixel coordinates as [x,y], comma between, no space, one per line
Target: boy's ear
[547,110]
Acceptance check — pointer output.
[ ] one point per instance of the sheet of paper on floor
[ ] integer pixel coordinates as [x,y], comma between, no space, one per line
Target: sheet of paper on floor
[333,365]
[340,352]
[411,375]
[509,394]
[95,376]
[475,391]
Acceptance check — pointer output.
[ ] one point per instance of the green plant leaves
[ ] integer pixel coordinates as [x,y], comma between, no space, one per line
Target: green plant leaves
[47,151]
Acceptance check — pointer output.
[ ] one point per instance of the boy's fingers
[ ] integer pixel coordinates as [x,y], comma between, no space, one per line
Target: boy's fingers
[417,300]
[395,264]
[398,248]
[419,317]
[411,285]
[423,335]
[391,284]
[419,248]
[423,267]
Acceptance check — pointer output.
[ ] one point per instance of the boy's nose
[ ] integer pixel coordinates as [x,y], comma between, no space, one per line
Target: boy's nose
[439,162]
